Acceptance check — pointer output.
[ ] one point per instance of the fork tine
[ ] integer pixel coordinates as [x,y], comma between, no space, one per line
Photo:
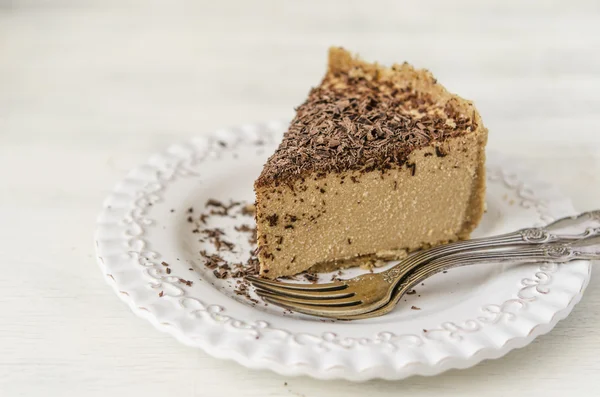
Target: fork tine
[306,294]
[320,311]
[260,282]
[348,300]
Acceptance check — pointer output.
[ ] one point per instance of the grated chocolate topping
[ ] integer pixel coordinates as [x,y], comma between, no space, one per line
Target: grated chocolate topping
[357,121]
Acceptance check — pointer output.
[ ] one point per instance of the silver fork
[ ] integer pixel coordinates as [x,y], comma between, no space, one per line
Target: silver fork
[585,249]
[363,294]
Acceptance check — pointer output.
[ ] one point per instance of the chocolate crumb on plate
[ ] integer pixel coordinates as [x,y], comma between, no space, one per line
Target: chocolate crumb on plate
[186,282]
[220,273]
[244,228]
[213,203]
[224,240]
[312,277]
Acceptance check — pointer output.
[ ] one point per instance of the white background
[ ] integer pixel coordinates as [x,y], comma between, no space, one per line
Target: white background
[88,89]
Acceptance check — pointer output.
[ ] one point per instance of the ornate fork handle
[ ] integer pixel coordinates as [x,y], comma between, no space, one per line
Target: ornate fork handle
[571,228]
[586,249]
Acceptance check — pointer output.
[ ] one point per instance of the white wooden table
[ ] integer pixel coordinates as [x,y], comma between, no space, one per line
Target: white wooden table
[89,89]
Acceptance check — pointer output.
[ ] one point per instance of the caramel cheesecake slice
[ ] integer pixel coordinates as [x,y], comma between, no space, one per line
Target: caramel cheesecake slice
[378,161]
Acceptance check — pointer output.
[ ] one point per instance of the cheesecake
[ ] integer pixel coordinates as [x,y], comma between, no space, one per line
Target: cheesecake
[377,162]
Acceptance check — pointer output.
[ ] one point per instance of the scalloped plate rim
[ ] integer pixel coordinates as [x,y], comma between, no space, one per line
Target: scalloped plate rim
[339,371]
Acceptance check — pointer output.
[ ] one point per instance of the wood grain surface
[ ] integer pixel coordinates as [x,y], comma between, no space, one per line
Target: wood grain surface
[88,89]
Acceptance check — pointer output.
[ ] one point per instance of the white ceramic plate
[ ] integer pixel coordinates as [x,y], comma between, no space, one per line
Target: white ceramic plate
[466,315]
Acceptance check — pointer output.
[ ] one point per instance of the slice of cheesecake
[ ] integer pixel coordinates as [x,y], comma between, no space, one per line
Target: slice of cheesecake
[378,161]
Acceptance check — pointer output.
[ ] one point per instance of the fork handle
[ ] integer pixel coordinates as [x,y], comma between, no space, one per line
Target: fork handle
[586,249]
[570,228]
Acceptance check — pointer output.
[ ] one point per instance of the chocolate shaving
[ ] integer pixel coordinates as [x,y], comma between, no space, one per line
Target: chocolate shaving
[213,203]
[212,261]
[222,269]
[213,233]
[243,228]
[220,273]
[356,120]
[186,282]
[312,277]
[336,276]
[218,208]
[440,152]
[272,219]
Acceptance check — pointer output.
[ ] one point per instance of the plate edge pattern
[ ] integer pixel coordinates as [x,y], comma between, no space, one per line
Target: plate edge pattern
[136,220]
